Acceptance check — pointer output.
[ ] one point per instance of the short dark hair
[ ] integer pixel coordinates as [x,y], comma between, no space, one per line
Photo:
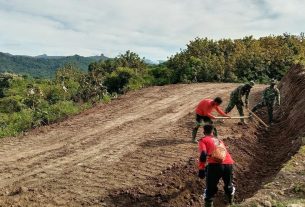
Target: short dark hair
[218,100]
[208,129]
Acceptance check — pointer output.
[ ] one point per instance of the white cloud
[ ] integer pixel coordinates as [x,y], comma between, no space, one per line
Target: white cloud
[154,29]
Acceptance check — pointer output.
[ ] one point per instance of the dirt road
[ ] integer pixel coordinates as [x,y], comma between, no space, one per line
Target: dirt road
[124,144]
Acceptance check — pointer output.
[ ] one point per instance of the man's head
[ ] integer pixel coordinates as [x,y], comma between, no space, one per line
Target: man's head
[208,129]
[217,101]
[249,85]
[272,82]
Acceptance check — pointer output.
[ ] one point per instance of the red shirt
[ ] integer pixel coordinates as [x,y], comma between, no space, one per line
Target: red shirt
[206,106]
[207,145]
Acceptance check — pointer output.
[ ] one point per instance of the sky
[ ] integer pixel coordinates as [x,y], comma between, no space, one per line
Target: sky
[155,29]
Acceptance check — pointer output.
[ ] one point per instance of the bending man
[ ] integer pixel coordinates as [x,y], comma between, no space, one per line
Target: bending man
[236,99]
[204,116]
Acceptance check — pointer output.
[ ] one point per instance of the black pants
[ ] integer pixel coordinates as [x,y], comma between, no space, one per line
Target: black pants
[214,173]
[201,120]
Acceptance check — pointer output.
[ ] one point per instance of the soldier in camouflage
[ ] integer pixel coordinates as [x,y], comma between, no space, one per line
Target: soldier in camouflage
[236,99]
[271,95]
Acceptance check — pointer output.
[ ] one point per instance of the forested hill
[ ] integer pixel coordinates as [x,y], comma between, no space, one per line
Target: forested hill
[43,65]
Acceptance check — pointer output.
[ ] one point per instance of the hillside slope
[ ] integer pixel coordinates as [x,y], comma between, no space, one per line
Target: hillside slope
[119,145]
[42,66]
[137,151]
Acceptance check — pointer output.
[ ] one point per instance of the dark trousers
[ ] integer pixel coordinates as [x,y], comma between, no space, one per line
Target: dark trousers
[201,121]
[269,108]
[239,106]
[214,173]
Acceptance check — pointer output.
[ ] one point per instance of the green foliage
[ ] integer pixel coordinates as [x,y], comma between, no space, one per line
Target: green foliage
[60,110]
[118,80]
[125,72]
[131,60]
[55,93]
[161,75]
[28,103]
[12,124]
[11,104]
[106,98]
[4,83]
[237,60]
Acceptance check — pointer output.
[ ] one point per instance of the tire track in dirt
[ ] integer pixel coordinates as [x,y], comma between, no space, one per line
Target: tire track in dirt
[83,158]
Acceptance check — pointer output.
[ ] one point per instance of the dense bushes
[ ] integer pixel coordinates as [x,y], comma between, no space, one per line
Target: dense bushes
[237,60]
[123,79]
[28,102]
[125,72]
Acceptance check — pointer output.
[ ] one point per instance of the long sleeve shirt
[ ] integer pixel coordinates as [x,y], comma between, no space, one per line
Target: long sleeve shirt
[239,92]
[272,95]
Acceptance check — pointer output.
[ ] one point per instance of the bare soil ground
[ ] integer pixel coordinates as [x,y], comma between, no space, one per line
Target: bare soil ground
[134,151]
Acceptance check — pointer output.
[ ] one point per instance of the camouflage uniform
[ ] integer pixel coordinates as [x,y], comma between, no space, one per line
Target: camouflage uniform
[271,96]
[236,98]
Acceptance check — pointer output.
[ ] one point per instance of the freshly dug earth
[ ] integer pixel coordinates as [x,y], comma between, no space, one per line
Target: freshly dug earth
[135,151]
[283,141]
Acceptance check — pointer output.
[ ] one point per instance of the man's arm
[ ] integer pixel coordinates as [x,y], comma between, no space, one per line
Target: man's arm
[278,96]
[265,94]
[218,109]
[211,116]
[240,95]
[202,152]
[247,98]
[202,159]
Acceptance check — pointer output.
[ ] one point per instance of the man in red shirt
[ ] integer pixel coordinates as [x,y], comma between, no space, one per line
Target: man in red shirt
[219,165]
[203,114]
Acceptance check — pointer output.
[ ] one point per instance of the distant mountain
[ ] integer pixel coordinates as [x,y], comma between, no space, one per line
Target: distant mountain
[43,65]
[149,62]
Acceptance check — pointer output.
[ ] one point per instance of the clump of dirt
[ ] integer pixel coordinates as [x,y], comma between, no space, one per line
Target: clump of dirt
[259,155]
[176,185]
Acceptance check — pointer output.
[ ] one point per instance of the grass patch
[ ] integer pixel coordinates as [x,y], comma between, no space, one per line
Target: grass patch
[293,164]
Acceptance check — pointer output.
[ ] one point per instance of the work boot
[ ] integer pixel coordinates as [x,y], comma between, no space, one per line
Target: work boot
[229,199]
[241,123]
[208,204]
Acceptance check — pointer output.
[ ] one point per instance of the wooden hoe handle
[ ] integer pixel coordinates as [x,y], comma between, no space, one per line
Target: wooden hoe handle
[259,119]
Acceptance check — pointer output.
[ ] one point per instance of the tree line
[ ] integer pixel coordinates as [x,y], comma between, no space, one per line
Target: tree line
[237,60]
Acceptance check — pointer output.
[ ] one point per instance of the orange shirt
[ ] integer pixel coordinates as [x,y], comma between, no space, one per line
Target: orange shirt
[206,106]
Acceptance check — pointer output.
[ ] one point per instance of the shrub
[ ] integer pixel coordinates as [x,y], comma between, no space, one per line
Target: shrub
[13,124]
[161,75]
[61,110]
[118,79]
[11,104]
[55,93]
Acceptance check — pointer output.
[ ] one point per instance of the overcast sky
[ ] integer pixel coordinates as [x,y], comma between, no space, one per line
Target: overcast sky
[155,29]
